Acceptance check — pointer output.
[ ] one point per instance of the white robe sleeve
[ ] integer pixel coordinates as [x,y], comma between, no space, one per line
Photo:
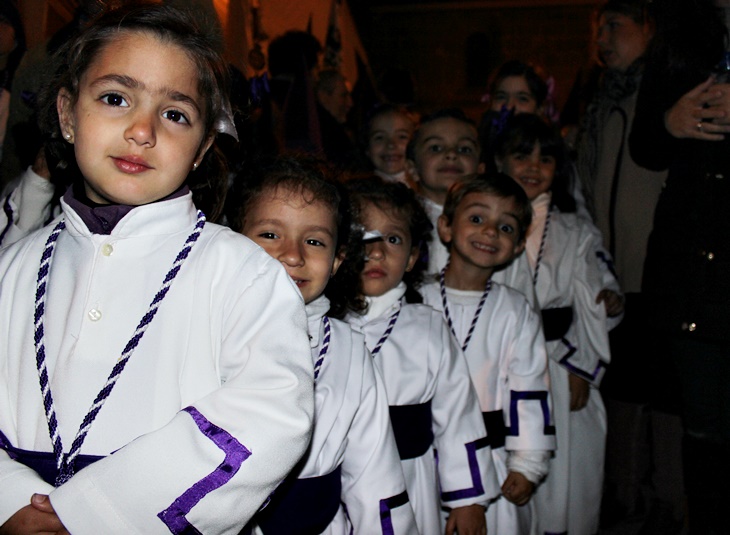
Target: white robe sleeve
[25,208]
[211,467]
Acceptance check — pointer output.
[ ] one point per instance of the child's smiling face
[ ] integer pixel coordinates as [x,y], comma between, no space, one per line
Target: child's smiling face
[484,232]
[389,136]
[534,172]
[300,233]
[138,123]
[387,259]
[447,150]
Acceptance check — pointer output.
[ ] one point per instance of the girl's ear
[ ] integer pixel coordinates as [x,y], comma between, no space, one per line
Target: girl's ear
[64,107]
[337,261]
[412,258]
[412,171]
[203,149]
[481,168]
[444,229]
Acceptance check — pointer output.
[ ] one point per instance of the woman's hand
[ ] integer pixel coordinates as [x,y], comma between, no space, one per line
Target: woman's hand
[701,113]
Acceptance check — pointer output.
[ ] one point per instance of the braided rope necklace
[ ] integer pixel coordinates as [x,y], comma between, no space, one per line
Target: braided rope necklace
[64,462]
[474,320]
[541,251]
[325,347]
[388,330]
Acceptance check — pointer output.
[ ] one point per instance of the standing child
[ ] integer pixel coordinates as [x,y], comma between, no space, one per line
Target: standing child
[563,269]
[444,149]
[387,132]
[434,410]
[350,478]
[484,224]
[146,386]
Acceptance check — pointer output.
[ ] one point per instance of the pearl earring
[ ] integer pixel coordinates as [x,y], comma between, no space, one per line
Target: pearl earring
[195,166]
[67,135]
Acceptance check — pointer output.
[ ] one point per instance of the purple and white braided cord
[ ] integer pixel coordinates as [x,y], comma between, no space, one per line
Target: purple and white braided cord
[388,330]
[64,462]
[478,311]
[325,346]
[542,247]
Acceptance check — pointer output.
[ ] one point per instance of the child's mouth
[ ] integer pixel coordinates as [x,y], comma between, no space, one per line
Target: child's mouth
[131,164]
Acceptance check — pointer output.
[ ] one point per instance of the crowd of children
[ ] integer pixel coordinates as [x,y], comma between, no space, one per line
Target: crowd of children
[412,349]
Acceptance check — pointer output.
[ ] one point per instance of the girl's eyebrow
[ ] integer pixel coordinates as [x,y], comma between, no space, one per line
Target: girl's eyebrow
[132,83]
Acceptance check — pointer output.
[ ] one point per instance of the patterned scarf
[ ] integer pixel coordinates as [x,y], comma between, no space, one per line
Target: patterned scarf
[614,87]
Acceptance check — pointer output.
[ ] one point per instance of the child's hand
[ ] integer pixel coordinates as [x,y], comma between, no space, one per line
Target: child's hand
[613,302]
[580,389]
[36,518]
[467,520]
[517,488]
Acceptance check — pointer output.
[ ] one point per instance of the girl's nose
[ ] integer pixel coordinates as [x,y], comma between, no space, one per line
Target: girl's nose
[142,129]
[374,251]
[291,254]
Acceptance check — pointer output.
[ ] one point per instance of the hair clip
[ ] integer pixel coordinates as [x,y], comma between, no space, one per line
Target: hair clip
[370,236]
[224,122]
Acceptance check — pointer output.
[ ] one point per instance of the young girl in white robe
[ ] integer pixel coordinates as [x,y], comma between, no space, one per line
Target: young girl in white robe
[434,410]
[567,279]
[350,479]
[484,224]
[145,383]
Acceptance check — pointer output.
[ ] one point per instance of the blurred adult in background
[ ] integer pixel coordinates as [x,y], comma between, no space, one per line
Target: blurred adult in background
[621,196]
[12,49]
[682,124]
[334,102]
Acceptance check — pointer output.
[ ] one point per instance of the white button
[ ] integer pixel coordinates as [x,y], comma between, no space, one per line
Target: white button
[94,314]
[107,249]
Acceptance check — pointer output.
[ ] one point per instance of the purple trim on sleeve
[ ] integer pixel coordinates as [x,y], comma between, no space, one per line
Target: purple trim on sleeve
[477,488]
[236,454]
[386,505]
[514,420]
[8,209]
[589,376]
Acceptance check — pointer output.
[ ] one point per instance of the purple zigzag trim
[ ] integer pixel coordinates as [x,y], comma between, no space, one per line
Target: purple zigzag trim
[386,505]
[236,454]
[476,478]
[514,420]
[577,371]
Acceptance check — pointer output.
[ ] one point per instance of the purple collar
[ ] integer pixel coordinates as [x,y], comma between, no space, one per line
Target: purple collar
[102,218]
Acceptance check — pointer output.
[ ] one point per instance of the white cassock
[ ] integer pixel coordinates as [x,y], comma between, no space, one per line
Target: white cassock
[425,374]
[213,408]
[26,206]
[570,276]
[508,364]
[352,441]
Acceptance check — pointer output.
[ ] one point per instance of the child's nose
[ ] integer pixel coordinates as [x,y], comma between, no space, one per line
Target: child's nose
[142,129]
[291,254]
[374,251]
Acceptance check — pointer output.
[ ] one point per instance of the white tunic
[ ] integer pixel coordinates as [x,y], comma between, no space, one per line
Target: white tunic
[569,275]
[26,206]
[421,362]
[352,430]
[229,343]
[508,364]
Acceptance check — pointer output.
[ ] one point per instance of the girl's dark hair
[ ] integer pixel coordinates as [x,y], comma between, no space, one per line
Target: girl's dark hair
[634,9]
[170,25]
[520,135]
[497,184]
[316,182]
[400,200]
[532,74]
